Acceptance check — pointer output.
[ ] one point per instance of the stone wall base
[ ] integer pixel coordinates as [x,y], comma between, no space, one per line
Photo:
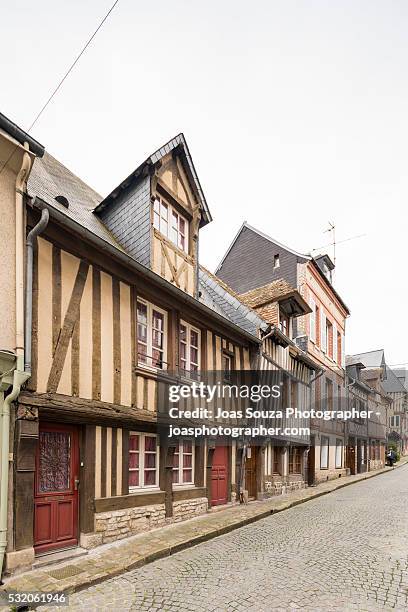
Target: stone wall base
[119,524]
[280,487]
[19,560]
[325,475]
[376,464]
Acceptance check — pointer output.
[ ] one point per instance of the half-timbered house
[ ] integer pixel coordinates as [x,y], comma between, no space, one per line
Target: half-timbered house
[117,301]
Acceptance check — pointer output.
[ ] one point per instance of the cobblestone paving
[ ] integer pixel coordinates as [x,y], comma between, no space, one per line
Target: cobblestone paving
[345,551]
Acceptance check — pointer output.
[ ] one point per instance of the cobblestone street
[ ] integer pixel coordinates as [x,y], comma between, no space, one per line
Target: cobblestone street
[344,551]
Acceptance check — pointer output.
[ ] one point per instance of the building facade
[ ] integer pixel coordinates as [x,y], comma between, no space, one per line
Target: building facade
[254,259]
[116,305]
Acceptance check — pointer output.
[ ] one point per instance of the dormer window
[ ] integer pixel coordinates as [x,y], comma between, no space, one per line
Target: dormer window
[168,221]
[284,323]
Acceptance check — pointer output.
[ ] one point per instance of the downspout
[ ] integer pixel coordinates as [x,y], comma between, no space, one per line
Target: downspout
[22,371]
[31,239]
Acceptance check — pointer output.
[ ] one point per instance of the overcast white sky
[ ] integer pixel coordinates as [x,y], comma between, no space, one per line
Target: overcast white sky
[296,113]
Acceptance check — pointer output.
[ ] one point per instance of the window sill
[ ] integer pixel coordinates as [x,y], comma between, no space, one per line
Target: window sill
[144,490]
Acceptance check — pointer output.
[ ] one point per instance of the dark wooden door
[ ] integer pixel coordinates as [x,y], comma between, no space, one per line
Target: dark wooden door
[219,476]
[56,488]
[250,472]
[311,463]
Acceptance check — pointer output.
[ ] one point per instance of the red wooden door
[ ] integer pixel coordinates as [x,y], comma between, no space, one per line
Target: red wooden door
[219,476]
[56,488]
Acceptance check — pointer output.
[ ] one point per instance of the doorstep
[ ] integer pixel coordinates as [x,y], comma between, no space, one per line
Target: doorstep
[53,557]
[113,559]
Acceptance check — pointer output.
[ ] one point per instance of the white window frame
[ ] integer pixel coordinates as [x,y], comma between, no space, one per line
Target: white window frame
[149,344]
[164,224]
[395,420]
[189,329]
[323,334]
[327,452]
[334,342]
[338,455]
[141,468]
[312,321]
[180,467]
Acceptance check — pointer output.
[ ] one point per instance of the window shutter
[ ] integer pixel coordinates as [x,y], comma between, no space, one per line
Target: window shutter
[323,332]
[334,342]
[312,320]
[343,351]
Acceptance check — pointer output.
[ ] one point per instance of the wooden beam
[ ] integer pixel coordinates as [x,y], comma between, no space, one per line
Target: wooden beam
[91,410]
[67,328]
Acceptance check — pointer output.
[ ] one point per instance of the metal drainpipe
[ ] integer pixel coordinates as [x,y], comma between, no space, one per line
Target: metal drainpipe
[32,236]
[19,378]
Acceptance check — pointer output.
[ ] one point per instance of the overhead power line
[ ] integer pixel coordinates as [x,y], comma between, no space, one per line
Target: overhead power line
[60,83]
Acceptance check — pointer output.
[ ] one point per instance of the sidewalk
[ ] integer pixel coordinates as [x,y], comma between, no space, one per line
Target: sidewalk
[113,559]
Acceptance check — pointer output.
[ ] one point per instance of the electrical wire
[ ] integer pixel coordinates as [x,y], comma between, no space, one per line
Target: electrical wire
[60,83]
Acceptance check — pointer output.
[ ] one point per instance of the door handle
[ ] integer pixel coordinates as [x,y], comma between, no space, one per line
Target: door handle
[76,484]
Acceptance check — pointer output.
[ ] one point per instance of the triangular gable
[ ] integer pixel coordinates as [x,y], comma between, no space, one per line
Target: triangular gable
[187,179]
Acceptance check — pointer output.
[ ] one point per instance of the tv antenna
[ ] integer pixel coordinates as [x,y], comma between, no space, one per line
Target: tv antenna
[332,228]
[334,243]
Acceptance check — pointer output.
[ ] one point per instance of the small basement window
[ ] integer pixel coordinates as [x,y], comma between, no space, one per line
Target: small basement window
[62,200]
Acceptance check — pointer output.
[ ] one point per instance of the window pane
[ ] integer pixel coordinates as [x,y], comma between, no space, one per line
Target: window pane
[133,479]
[187,461]
[164,227]
[150,477]
[156,206]
[133,442]
[133,460]
[142,313]
[183,352]
[187,446]
[150,443]
[158,320]
[194,355]
[150,460]
[142,351]
[156,221]
[182,242]
[157,339]
[175,476]
[182,226]
[183,333]
[164,211]
[194,338]
[173,235]
[157,358]
[142,332]
[187,475]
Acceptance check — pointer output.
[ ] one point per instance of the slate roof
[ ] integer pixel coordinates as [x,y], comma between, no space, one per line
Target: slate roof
[49,178]
[371,359]
[256,231]
[217,295]
[402,375]
[393,384]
